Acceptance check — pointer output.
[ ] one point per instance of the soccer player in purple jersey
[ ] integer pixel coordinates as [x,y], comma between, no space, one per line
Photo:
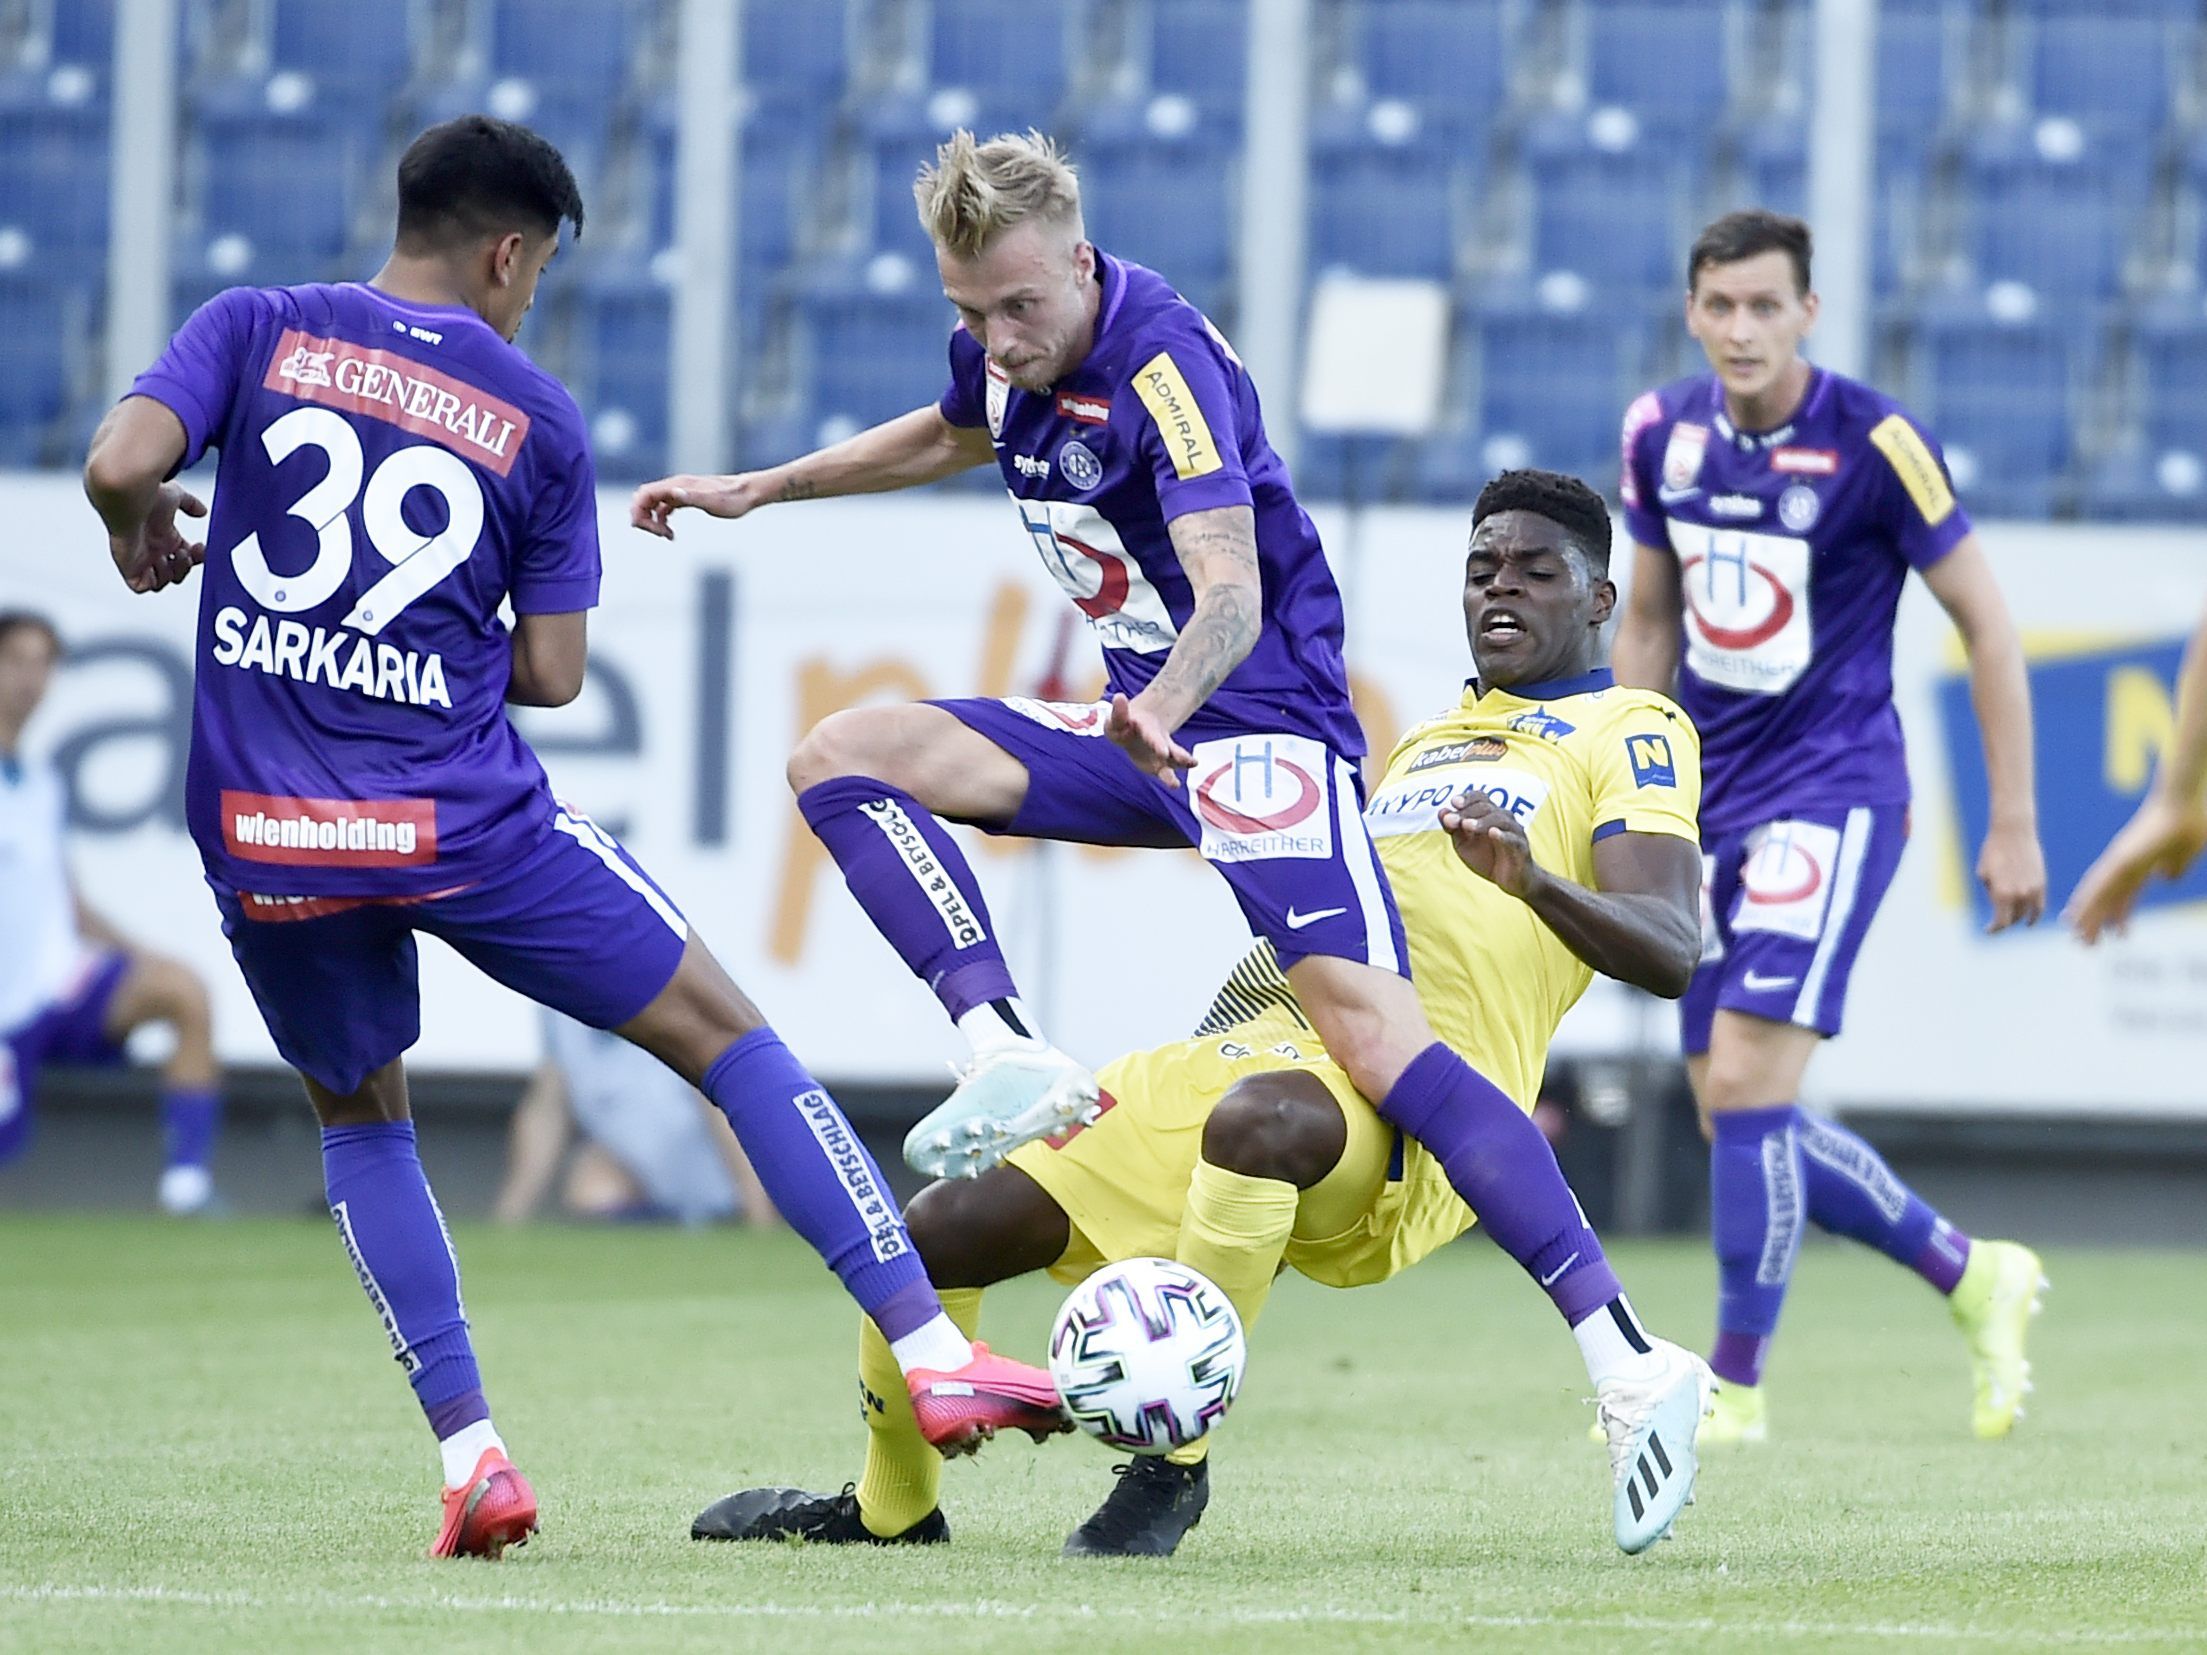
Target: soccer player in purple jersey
[1777,508]
[1132,443]
[393,470]
[73,988]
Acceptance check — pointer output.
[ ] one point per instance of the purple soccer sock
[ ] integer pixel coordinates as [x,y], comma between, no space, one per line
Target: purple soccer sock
[819,1176]
[396,1238]
[1503,1168]
[189,1116]
[1756,1214]
[1852,1192]
[915,885]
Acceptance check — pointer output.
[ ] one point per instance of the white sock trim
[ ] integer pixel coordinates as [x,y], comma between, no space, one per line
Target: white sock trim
[1608,1354]
[986,1031]
[464,1447]
[936,1344]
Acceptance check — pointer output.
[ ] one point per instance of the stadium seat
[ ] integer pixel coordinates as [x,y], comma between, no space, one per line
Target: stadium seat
[54,178]
[872,356]
[1199,50]
[2111,72]
[1613,218]
[617,352]
[287,183]
[578,49]
[39,319]
[1447,58]
[84,33]
[797,57]
[1669,62]
[1384,210]
[1558,384]
[358,55]
[1998,396]
[2170,369]
[1169,206]
[1919,48]
[1011,55]
[2012,208]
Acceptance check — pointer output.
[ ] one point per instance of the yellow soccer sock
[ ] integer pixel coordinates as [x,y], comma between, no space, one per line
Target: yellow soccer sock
[1234,1229]
[902,1481]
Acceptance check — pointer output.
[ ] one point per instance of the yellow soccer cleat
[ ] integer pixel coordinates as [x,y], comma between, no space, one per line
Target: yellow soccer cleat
[1741,1415]
[2000,1291]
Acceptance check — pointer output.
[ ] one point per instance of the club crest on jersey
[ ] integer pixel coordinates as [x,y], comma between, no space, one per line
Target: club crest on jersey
[1798,507]
[998,396]
[1078,465]
[1539,721]
[1682,456]
[1260,798]
[1650,757]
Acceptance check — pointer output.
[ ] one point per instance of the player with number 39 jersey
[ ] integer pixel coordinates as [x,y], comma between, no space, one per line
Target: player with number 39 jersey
[391,473]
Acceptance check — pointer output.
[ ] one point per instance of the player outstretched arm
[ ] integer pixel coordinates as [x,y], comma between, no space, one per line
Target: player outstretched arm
[915,448]
[1646,652]
[2010,865]
[135,449]
[1643,926]
[2169,829]
[1218,549]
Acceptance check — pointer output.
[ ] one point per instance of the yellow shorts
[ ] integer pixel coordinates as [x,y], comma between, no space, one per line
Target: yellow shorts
[1123,1180]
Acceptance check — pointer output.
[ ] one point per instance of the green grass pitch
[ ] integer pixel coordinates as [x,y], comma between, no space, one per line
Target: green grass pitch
[206,1446]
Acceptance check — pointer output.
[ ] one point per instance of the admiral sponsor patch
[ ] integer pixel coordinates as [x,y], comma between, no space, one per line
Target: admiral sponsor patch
[1164,392]
[359,379]
[1919,473]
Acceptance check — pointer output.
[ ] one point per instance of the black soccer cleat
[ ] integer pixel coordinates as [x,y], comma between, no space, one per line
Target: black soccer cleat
[1155,1503]
[793,1514]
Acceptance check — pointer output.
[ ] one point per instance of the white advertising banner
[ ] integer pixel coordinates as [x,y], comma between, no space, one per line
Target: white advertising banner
[711,657]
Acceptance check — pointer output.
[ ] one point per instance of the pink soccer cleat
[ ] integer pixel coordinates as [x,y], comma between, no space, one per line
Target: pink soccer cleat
[962,1408]
[495,1508]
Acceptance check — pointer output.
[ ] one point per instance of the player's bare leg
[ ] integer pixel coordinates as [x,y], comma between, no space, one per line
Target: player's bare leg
[1652,1394]
[971,1234]
[1775,1167]
[821,1179]
[395,1236]
[155,989]
[876,784]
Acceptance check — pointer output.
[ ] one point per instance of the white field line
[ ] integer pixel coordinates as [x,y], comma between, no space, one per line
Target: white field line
[987,1609]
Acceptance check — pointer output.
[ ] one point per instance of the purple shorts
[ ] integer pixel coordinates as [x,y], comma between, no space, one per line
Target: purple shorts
[1281,816]
[1784,909]
[573,924]
[72,1030]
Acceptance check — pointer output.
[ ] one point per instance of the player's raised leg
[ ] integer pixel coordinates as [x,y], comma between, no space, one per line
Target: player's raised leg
[970,1235]
[874,783]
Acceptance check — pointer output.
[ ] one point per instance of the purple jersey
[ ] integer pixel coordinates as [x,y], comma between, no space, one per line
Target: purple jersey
[390,475]
[1158,421]
[1792,546]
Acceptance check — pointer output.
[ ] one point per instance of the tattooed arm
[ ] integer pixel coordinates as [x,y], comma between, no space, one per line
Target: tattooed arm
[1218,549]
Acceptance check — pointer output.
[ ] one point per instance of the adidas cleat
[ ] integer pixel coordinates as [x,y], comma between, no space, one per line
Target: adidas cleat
[819,1519]
[495,1508]
[2002,1288]
[1148,1513]
[1008,1097]
[961,1409]
[1651,1426]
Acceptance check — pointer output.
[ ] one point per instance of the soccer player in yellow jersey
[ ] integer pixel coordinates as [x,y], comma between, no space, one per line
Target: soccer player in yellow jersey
[1540,830]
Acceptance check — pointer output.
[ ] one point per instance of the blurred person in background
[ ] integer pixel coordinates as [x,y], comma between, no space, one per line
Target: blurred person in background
[73,989]
[1777,509]
[652,1148]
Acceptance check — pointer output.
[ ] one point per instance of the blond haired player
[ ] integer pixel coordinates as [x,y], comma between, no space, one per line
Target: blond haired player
[1540,830]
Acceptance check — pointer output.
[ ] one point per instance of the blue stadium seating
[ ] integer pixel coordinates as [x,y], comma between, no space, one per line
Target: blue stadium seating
[1998,395]
[1668,61]
[1199,50]
[54,178]
[1384,210]
[1614,218]
[579,48]
[1169,206]
[1558,383]
[84,32]
[617,353]
[359,55]
[1012,55]
[1446,57]
[797,57]
[2061,229]
[873,356]
[287,183]
[38,318]
[2170,366]
[2111,72]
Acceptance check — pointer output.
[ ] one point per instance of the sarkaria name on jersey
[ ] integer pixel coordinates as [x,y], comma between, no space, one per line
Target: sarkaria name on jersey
[330,655]
[1415,806]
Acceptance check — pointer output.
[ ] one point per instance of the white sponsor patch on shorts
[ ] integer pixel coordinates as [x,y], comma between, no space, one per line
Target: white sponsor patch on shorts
[1262,797]
[1080,718]
[934,881]
[833,1134]
[1786,879]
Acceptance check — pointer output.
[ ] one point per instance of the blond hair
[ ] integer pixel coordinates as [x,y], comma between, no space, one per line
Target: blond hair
[974,191]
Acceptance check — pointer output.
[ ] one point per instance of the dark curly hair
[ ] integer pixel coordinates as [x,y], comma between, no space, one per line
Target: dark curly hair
[1563,500]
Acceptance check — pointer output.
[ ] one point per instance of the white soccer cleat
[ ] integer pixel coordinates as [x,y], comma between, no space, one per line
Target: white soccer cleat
[1651,1425]
[1010,1096]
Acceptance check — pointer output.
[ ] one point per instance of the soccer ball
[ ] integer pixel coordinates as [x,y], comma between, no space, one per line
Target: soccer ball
[1147,1355]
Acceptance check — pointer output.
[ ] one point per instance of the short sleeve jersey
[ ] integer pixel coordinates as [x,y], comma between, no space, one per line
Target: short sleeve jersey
[1158,421]
[391,475]
[1576,760]
[1792,548]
